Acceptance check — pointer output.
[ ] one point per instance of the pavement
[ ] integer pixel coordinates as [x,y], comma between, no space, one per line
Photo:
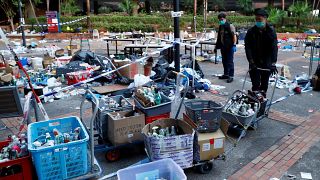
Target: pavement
[288,142]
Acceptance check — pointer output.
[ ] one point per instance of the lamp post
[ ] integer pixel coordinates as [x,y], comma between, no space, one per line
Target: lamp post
[21,24]
[176,37]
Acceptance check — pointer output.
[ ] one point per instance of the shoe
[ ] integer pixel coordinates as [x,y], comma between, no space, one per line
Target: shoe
[223,77]
[230,80]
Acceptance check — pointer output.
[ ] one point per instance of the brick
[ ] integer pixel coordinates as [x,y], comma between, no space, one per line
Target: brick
[272,148]
[258,166]
[285,151]
[278,157]
[267,159]
[257,159]
[265,177]
[269,164]
[275,152]
[266,153]
[248,174]
[291,162]
[261,172]
[288,156]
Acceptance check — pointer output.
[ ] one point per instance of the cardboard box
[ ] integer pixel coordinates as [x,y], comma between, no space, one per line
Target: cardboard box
[126,129]
[210,145]
[179,147]
[129,71]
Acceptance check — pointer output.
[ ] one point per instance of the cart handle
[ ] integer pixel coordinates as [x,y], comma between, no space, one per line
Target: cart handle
[95,100]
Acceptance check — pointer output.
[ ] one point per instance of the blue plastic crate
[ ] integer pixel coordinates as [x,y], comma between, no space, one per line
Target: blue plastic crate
[61,161]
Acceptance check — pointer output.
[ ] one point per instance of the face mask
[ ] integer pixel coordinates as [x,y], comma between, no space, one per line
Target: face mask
[222,22]
[260,24]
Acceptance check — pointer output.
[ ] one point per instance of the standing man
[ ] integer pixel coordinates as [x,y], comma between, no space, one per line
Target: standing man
[226,42]
[261,51]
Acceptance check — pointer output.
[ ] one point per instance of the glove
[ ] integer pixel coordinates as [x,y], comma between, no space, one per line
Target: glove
[273,70]
[234,48]
[215,51]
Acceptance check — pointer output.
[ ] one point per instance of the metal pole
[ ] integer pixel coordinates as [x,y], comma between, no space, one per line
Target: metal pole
[21,24]
[195,16]
[176,37]
[88,14]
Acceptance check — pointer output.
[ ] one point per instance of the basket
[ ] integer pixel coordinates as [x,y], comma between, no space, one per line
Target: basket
[62,161]
[206,114]
[165,168]
[20,168]
[162,108]
[101,120]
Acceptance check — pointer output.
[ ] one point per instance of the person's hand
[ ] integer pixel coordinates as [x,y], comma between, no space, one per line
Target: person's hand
[215,51]
[252,67]
[234,48]
[273,70]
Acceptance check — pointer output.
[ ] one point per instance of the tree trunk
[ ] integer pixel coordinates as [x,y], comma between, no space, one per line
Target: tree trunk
[11,23]
[48,5]
[34,13]
[283,4]
[136,7]
[88,14]
[194,15]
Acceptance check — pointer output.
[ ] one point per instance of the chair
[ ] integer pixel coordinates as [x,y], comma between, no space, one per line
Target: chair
[95,33]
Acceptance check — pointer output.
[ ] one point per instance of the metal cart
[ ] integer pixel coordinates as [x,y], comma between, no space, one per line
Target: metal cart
[250,121]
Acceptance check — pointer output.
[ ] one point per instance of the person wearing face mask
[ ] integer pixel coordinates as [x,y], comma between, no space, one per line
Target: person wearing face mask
[261,51]
[226,42]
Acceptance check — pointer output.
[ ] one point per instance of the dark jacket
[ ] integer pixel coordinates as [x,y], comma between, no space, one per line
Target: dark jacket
[261,46]
[225,42]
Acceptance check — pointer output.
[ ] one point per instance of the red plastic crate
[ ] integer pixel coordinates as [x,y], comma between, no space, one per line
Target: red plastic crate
[24,164]
[150,119]
[75,77]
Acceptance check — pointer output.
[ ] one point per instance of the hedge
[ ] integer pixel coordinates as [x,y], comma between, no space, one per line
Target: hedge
[163,22]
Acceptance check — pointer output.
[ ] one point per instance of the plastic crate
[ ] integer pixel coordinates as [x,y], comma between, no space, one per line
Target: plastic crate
[206,114]
[165,168]
[101,120]
[162,108]
[61,161]
[150,119]
[20,168]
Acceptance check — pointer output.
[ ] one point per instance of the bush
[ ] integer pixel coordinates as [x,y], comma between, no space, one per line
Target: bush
[118,22]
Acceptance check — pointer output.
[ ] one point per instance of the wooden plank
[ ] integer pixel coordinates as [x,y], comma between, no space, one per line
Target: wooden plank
[109,88]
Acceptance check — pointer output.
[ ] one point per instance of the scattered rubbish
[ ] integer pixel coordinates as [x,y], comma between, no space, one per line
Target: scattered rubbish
[305,175]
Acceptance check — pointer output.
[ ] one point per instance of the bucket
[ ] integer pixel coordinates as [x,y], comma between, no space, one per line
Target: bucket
[37,63]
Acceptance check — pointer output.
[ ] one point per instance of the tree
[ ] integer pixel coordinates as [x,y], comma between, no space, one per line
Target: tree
[69,7]
[276,15]
[127,6]
[9,7]
[300,10]
[246,6]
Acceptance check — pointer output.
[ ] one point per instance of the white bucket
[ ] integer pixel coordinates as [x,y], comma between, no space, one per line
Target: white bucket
[37,63]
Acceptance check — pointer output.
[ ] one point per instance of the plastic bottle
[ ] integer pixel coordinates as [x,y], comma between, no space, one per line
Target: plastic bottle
[157,97]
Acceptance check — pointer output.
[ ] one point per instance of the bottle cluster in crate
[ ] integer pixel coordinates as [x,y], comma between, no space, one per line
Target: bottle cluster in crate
[241,105]
[46,140]
[109,103]
[16,148]
[152,95]
[159,132]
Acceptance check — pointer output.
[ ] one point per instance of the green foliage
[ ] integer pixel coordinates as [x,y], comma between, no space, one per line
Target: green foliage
[69,7]
[300,9]
[218,3]
[120,23]
[9,7]
[276,15]
[104,10]
[246,6]
[127,6]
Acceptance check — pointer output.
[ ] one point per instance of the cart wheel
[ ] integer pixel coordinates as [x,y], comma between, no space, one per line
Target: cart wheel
[205,168]
[223,157]
[112,155]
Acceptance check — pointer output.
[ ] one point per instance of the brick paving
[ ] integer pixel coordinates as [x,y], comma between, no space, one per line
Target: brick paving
[275,161]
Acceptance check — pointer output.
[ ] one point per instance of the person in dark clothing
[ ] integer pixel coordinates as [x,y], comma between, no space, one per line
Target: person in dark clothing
[261,51]
[226,42]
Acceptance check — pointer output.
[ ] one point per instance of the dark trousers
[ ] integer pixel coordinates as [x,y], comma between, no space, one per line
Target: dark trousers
[260,80]
[227,61]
